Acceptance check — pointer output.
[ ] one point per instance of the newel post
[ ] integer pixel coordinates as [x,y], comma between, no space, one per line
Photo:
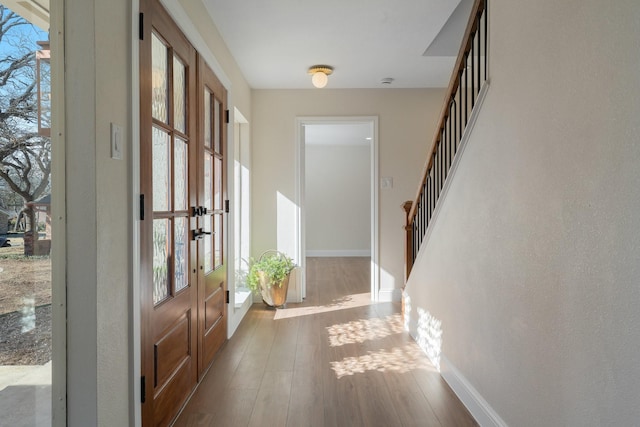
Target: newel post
[408,247]
[408,240]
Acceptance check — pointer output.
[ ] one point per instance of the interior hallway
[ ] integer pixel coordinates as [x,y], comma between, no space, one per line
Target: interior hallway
[334,360]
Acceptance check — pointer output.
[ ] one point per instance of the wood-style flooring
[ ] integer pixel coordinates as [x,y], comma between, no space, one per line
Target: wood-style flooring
[335,360]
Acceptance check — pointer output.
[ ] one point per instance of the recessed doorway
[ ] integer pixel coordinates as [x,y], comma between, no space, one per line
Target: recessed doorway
[345,227]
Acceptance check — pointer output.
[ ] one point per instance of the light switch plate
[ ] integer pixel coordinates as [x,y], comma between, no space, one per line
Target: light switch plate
[386,182]
[116,141]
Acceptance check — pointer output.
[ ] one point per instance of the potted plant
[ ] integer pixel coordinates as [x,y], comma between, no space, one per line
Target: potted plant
[269,275]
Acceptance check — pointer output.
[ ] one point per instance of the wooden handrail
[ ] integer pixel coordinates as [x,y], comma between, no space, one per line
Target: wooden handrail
[452,122]
[454,84]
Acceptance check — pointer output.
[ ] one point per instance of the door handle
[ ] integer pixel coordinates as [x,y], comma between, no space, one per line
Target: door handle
[198,211]
[199,234]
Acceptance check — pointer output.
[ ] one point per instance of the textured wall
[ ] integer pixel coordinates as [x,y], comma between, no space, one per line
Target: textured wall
[532,267]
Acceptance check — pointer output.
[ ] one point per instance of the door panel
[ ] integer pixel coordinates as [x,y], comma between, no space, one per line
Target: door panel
[212,325]
[172,350]
[168,149]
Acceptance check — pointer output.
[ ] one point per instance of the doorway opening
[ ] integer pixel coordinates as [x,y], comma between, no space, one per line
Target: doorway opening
[32,194]
[350,139]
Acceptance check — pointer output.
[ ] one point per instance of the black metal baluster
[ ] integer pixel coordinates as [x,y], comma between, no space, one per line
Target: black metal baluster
[451,129]
[429,196]
[445,152]
[485,13]
[416,219]
[479,34]
[473,73]
[447,156]
[438,169]
[423,220]
[455,127]
[435,176]
[443,141]
[432,189]
[466,91]
[460,105]
[416,244]
[418,227]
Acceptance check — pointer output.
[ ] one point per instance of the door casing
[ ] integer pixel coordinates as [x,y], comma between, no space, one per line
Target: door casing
[300,196]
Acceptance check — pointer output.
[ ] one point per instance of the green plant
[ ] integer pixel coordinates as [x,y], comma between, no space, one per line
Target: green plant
[273,265]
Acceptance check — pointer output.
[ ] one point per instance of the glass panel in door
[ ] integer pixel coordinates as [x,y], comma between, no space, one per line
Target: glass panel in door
[180,175]
[159,79]
[179,95]
[161,282]
[181,258]
[207,118]
[161,170]
[216,126]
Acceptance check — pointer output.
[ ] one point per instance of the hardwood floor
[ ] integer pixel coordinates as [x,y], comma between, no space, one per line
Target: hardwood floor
[334,360]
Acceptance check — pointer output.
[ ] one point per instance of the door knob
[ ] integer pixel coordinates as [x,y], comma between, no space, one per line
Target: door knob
[199,234]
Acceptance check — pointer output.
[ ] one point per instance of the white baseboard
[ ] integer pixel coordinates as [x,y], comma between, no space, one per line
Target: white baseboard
[295,286]
[475,403]
[339,253]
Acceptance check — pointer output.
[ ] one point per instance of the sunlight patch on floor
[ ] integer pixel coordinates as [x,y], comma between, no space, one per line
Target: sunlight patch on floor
[350,301]
[398,359]
[361,330]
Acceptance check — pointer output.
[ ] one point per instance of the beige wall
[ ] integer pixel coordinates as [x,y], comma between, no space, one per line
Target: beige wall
[532,267]
[338,199]
[99,211]
[405,118]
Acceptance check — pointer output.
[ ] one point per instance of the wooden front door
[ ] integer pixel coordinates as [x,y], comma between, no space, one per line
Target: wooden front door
[183,278]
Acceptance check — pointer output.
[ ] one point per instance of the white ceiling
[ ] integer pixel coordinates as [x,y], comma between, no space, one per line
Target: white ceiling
[275,42]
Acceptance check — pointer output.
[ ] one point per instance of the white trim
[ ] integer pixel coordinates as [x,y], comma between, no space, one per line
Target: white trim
[180,17]
[136,307]
[301,259]
[479,408]
[456,160]
[299,189]
[375,207]
[58,218]
[236,312]
[339,253]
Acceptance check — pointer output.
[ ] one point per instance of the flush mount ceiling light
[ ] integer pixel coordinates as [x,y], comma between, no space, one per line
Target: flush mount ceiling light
[319,75]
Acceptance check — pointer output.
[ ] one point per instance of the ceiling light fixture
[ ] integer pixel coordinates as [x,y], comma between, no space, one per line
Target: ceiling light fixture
[319,75]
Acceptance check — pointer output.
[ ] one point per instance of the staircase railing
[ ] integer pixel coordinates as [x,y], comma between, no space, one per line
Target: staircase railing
[469,74]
